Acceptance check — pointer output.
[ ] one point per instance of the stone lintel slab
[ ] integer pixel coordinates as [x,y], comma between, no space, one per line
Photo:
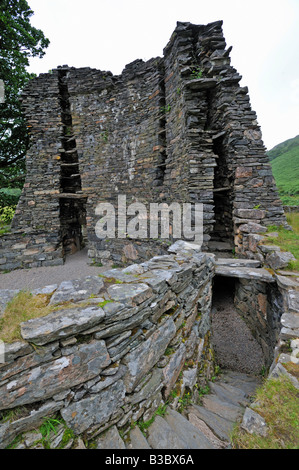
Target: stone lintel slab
[257,274]
[238,263]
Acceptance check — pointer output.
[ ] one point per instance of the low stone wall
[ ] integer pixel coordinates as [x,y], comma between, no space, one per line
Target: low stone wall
[140,338]
[267,298]
[260,304]
[29,250]
[123,252]
[291,208]
[286,352]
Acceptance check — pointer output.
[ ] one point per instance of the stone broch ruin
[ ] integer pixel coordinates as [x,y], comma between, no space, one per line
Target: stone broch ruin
[177,128]
[154,134]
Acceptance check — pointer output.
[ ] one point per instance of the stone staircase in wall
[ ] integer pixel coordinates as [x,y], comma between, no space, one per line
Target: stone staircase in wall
[205,426]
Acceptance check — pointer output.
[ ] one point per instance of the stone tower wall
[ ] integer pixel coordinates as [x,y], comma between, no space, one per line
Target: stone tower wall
[174,129]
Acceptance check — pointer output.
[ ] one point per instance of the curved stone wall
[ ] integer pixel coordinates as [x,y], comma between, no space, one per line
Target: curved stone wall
[141,333]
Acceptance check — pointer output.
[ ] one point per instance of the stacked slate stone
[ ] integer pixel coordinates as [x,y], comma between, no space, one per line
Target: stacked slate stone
[141,332]
[173,129]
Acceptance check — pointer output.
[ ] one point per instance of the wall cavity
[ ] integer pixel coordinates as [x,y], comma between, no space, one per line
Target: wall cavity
[72,204]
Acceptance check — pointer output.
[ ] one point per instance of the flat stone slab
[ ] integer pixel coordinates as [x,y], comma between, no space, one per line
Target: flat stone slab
[147,354]
[293,300]
[278,260]
[162,436]
[248,384]
[190,434]
[238,263]
[95,410]
[83,363]
[254,423]
[220,246]
[258,274]
[15,350]
[201,83]
[220,426]
[110,440]
[78,289]
[131,294]
[173,368]
[45,290]
[290,320]
[182,245]
[228,393]
[222,408]
[286,282]
[138,440]
[202,426]
[60,324]
[159,279]
[6,295]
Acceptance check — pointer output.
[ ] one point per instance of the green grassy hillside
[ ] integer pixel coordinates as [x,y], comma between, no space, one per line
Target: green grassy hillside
[284,147]
[285,166]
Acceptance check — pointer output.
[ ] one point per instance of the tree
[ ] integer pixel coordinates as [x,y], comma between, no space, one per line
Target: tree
[19,41]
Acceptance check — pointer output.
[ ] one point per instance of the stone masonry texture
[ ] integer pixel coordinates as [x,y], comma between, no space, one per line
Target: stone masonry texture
[177,128]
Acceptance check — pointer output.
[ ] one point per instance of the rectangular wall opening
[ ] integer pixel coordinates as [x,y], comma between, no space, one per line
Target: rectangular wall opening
[222,238]
[72,202]
[244,323]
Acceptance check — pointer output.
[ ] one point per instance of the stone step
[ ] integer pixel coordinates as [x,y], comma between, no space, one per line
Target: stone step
[162,436]
[110,439]
[137,440]
[204,428]
[229,393]
[189,433]
[220,246]
[207,426]
[221,427]
[248,384]
[224,409]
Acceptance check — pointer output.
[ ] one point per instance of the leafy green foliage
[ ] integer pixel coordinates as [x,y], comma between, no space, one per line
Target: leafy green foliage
[196,73]
[6,214]
[9,196]
[19,41]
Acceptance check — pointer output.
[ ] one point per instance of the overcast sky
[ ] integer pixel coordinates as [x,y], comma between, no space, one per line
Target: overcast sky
[108,34]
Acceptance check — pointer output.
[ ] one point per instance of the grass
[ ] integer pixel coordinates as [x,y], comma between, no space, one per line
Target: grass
[285,168]
[144,425]
[26,306]
[21,308]
[287,240]
[277,402]
[290,200]
[48,429]
[283,147]
[4,228]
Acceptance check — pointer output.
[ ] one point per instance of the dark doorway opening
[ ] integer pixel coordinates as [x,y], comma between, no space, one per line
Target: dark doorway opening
[72,201]
[222,236]
[234,344]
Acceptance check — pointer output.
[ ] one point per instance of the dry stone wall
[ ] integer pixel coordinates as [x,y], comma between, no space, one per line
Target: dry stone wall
[178,128]
[142,333]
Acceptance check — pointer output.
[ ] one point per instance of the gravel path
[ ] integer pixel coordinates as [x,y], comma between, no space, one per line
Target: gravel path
[75,267]
[235,347]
